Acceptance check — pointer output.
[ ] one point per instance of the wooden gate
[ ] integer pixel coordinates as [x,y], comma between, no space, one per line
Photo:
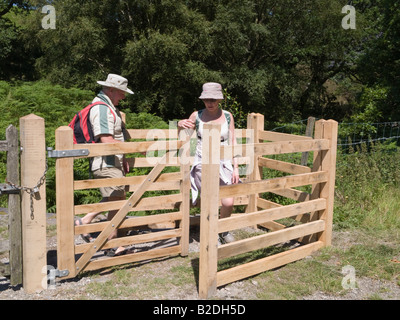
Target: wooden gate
[76,258]
[312,211]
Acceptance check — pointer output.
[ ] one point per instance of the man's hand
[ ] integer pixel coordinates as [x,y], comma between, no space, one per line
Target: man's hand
[126,165]
[108,138]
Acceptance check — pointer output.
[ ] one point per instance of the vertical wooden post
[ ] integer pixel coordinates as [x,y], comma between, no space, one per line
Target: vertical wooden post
[255,122]
[316,188]
[209,210]
[184,158]
[65,203]
[328,163]
[33,165]
[14,208]
[309,132]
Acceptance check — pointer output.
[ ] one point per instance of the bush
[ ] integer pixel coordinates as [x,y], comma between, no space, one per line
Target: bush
[57,105]
[367,188]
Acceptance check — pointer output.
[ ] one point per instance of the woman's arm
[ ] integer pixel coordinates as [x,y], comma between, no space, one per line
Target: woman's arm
[188,124]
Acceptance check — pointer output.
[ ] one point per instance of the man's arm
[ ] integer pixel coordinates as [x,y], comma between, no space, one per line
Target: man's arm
[108,138]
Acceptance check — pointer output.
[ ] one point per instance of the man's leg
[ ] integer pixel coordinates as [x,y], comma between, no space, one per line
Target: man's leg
[87,219]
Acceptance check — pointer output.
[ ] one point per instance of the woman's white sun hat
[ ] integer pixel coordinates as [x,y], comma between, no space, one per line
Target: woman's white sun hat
[212,90]
[116,81]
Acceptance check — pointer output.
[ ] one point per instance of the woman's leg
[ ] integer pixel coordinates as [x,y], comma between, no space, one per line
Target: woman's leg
[226,208]
[225,212]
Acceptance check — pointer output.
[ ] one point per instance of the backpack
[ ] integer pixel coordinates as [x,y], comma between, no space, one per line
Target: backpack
[83,131]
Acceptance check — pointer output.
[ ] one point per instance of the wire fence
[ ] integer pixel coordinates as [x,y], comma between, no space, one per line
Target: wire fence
[353,135]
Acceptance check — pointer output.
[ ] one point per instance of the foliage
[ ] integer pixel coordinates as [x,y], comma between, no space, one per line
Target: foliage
[370,105]
[384,46]
[16,60]
[57,105]
[232,105]
[54,103]
[367,184]
[144,120]
[274,57]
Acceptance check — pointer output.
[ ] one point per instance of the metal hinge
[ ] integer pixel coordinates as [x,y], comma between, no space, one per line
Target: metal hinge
[8,189]
[55,273]
[67,153]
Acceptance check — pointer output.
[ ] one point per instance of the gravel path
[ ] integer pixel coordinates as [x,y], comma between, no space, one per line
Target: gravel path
[243,290]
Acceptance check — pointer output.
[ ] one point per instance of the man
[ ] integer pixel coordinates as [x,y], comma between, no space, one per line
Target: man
[108,128]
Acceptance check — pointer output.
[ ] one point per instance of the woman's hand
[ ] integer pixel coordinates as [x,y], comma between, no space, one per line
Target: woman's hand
[186,124]
[235,176]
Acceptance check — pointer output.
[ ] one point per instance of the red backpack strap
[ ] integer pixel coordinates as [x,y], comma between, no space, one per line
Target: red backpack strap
[125,132]
[99,103]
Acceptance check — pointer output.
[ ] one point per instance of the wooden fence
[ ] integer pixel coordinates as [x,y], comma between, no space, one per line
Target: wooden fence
[14,245]
[27,208]
[312,211]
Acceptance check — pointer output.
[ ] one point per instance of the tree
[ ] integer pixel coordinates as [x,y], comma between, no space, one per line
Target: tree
[166,58]
[84,47]
[379,65]
[276,57]
[6,6]
[15,62]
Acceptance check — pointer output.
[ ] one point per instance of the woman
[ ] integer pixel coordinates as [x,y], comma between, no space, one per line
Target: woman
[229,174]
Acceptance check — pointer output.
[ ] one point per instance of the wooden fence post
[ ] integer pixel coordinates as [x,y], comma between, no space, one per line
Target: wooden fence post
[14,208]
[209,210]
[308,133]
[65,203]
[327,191]
[33,165]
[184,158]
[255,122]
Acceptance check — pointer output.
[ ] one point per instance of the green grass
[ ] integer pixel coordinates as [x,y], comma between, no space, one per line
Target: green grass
[299,279]
[367,228]
[367,202]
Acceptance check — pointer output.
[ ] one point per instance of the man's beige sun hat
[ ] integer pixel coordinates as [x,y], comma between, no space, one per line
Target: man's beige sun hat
[116,81]
[212,90]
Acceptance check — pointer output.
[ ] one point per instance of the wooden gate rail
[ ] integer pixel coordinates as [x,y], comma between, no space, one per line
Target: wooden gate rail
[313,211]
[145,204]
[66,210]
[119,216]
